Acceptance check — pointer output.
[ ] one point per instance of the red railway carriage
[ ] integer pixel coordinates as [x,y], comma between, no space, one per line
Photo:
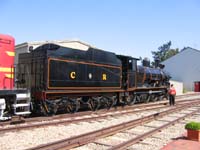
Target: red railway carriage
[7,54]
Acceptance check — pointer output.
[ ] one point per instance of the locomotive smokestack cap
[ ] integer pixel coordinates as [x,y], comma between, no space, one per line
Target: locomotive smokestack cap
[157,62]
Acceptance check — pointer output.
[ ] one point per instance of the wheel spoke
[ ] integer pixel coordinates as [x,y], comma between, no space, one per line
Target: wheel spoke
[73,105]
[94,103]
[50,107]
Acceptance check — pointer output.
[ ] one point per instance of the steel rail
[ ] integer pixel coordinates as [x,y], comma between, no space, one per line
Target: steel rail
[83,113]
[79,114]
[147,134]
[92,136]
[74,120]
[135,106]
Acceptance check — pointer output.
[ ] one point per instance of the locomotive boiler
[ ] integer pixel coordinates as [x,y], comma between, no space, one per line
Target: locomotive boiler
[63,79]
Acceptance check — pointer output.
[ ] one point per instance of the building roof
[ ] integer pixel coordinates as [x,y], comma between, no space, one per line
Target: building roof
[183,50]
[64,43]
[189,48]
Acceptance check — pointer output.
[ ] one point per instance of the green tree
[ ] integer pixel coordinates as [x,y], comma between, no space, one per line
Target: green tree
[164,52]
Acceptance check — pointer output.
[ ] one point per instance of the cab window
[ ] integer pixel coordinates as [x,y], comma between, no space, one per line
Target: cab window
[132,64]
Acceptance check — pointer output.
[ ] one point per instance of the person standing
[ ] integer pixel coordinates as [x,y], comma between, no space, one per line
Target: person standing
[172,94]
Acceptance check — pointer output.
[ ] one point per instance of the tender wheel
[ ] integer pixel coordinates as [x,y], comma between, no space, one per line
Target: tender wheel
[43,108]
[50,107]
[73,105]
[109,101]
[94,103]
[115,100]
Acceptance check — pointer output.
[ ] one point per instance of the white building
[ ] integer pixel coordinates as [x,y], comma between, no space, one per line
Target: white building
[178,86]
[24,47]
[184,67]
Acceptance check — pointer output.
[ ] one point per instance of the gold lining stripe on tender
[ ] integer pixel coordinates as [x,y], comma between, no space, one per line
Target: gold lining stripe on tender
[9,53]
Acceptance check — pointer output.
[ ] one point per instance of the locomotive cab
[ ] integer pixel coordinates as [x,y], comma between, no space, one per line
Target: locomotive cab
[129,70]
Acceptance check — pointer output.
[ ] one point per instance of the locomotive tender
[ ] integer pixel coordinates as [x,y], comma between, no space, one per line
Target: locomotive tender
[62,79]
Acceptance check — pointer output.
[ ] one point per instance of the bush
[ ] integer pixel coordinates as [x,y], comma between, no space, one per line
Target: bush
[193,126]
[185,90]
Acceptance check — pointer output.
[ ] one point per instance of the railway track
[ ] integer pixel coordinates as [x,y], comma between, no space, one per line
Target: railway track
[84,117]
[76,119]
[30,138]
[84,113]
[189,94]
[150,132]
[102,133]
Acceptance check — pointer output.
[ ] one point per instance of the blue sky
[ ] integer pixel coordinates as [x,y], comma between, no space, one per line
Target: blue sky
[130,27]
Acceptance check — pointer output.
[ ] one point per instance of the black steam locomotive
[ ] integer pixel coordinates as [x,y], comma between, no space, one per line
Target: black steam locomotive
[65,79]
